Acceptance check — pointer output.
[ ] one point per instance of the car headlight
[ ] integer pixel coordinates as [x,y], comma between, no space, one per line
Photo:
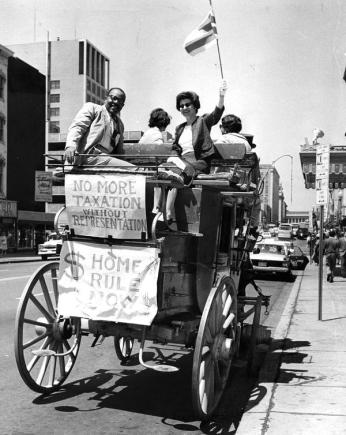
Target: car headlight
[40,246]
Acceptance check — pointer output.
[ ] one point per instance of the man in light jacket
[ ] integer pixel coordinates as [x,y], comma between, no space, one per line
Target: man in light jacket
[97,131]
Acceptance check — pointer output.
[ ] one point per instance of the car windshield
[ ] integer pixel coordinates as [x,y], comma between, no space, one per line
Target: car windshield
[273,249]
[285,227]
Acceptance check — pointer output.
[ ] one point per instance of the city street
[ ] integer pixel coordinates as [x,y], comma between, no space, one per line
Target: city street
[102,396]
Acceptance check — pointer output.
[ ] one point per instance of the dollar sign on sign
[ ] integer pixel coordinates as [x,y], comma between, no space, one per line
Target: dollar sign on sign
[77,269]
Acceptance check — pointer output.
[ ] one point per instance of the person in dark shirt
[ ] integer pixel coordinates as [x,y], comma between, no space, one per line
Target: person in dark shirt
[330,249]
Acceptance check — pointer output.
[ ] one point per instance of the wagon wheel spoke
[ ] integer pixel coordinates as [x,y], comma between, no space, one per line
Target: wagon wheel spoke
[210,387]
[37,323]
[35,358]
[35,340]
[68,347]
[61,361]
[46,295]
[52,369]
[55,286]
[218,381]
[43,369]
[46,314]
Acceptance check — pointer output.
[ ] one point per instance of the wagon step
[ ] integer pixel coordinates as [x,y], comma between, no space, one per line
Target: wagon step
[158,367]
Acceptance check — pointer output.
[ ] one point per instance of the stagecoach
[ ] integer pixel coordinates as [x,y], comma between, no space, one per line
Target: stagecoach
[127,273]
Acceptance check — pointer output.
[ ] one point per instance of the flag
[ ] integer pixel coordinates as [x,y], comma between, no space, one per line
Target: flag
[202,37]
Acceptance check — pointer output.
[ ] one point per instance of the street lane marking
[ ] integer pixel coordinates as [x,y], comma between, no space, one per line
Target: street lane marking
[12,278]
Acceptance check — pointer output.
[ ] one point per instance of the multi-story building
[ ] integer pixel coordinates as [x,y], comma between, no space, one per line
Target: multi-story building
[76,72]
[336,210]
[8,207]
[270,195]
[26,147]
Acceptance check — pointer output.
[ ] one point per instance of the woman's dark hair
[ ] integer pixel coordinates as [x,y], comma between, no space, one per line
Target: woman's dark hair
[188,95]
[231,124]
[159,118]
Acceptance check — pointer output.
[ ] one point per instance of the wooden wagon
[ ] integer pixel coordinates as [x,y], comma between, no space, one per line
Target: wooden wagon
[183,283]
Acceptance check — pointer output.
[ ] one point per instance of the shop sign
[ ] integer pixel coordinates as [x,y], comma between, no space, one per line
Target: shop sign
[8,208]
[43,186]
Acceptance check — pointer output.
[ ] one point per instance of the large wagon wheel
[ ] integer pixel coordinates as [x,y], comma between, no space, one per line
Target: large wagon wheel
[40,333]
[215,347]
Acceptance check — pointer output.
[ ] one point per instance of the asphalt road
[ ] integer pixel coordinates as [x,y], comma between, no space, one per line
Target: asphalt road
[103,397]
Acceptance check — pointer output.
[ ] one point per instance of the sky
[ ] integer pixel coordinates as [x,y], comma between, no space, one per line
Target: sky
[283,62]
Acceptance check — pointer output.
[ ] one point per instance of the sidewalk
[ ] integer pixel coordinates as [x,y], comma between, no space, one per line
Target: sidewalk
[19,257]
[302,386]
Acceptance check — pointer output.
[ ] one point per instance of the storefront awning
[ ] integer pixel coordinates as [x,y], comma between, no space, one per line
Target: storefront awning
[35,217]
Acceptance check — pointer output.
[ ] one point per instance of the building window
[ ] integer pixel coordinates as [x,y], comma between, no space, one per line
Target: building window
[54,98]
[54,111]
[81,57]
[54,127]
[2,87]
[55,84]
[2,127]
[2,164]
[88,85]
[93,87]
[337,168]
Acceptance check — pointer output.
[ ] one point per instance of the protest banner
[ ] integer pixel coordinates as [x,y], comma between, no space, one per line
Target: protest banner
[106,205]
[116,283]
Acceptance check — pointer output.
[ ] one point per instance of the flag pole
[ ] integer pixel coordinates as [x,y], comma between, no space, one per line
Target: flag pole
[217,41]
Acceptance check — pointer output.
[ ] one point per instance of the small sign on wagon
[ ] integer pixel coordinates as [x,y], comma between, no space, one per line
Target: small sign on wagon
[106,205]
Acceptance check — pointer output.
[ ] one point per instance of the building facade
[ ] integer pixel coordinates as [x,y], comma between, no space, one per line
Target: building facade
[272,199]
[336,210]
[8,207]
[76,72]
[26,148]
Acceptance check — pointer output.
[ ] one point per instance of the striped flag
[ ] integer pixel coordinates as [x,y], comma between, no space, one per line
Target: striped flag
[202,37]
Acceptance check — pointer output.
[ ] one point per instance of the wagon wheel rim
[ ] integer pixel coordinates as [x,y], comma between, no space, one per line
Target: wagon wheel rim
[123,346]
[39,328]
[215,347]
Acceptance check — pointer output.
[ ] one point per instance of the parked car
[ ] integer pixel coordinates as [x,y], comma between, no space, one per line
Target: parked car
[266,234]
[50,247]
[295,228]
[285,232]
[272,256]
[303,232]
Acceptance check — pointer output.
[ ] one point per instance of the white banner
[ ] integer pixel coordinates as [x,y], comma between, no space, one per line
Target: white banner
[106,205]
[117,283]
[322,174]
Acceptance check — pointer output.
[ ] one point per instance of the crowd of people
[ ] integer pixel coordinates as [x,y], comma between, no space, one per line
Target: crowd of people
[96,135]
[334,249]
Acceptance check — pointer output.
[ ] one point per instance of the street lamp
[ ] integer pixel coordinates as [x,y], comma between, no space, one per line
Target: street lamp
[291,157]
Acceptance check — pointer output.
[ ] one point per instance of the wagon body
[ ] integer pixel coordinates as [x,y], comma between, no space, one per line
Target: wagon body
[201,279]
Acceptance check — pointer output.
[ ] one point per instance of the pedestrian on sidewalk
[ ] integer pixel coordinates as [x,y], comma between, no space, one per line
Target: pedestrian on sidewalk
[331,249]
[342,254]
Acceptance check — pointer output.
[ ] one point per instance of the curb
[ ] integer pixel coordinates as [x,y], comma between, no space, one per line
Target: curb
[255,422]
[19,260]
